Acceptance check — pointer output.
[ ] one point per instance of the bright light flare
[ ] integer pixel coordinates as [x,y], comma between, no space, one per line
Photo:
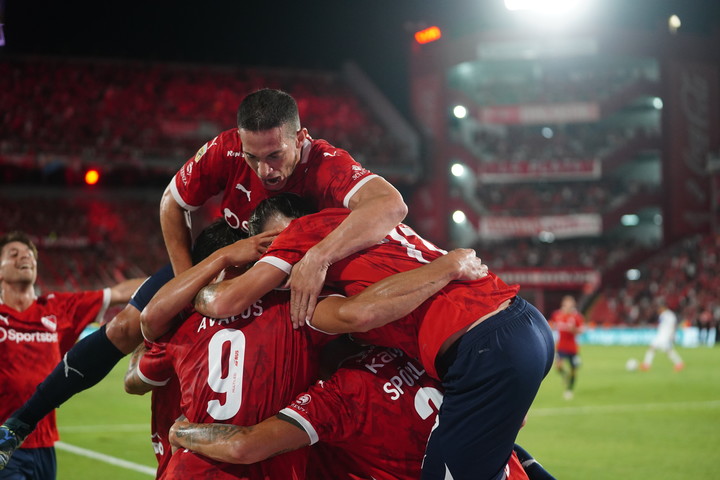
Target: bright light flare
[460,111]
[92,177]
[459,217]
[457,169]
[428,35]
[544,6]
[549,14]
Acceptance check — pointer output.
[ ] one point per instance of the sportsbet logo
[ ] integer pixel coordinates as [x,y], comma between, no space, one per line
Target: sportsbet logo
[27,337]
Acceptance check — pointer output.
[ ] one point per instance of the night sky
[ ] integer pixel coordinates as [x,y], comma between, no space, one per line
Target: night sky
[315,34]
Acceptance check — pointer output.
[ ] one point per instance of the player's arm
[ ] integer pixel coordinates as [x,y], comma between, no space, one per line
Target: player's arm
[159,314]
[397,295]
[133,383]
[122,292]
[233,296]
[176,232]
[234,444]
[377,207]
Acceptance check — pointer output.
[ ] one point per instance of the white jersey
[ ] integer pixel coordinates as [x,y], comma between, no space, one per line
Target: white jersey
[665,335]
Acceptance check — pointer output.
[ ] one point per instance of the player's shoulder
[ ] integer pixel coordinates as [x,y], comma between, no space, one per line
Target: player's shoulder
[51,298]
[225,145]
[322,152]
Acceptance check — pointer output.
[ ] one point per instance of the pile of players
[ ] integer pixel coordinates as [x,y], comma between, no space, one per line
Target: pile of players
[441,366]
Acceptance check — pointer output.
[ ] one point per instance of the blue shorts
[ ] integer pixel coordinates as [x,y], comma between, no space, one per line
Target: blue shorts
[573,358]
[491,376]
[31,464]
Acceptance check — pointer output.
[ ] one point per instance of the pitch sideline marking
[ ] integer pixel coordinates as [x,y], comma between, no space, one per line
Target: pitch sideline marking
[628,408]
[119,462]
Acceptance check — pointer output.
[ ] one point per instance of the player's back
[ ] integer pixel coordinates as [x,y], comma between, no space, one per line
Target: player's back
[454,307]
[378,409]
[242,370]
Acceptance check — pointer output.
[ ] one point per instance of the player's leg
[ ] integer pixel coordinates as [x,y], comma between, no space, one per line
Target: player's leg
[573,361]
[649,356]
[493,374]
[560,366]
[83,366]
[674,357]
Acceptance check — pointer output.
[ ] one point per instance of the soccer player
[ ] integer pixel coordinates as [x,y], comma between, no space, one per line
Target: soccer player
[268,153]
[164,408]
[664,338]
[371,418]
[35,333]
[479,337]
[375,413]
[568,322]
[239,369]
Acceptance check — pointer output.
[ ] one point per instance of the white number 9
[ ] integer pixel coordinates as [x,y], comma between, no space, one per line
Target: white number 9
[231,384]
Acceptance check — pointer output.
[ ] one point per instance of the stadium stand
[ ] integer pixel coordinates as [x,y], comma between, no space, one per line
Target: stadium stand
[687,275]
[154,116]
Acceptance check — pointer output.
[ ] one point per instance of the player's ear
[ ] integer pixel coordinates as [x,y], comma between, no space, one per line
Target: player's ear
[302,134]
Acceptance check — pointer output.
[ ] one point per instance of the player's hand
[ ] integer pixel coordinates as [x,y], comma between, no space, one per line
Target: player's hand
[250,249]
[467,266]
[306,281]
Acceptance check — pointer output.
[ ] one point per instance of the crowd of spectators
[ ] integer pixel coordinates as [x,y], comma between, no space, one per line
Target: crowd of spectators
[556,81]
[553,198]
[686,275]
[535,144]
[529,254]
[87,241]
[88,112]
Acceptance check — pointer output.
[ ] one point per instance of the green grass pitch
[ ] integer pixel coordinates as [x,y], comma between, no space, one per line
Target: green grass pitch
[659,424]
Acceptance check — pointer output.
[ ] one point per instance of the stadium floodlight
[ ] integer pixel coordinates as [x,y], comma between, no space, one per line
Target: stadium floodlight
[546,237]
[457,169]
[548,14]
[544,6]
[674,23]
[459,217]
[633,274]
[630,220]
[657,103]
[460,111]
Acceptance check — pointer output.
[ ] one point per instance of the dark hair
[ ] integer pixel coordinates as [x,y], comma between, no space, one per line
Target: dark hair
[17,236]
[286,204]
[266,109]
[214,237]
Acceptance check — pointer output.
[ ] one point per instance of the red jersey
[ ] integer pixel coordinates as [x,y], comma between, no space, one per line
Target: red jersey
[565,323]
[423,332]
[326,176]
[33,342]
[238,370]
[379,408]
[165,409]
[164,404]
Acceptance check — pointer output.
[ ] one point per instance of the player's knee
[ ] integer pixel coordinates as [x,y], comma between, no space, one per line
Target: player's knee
[123,330]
